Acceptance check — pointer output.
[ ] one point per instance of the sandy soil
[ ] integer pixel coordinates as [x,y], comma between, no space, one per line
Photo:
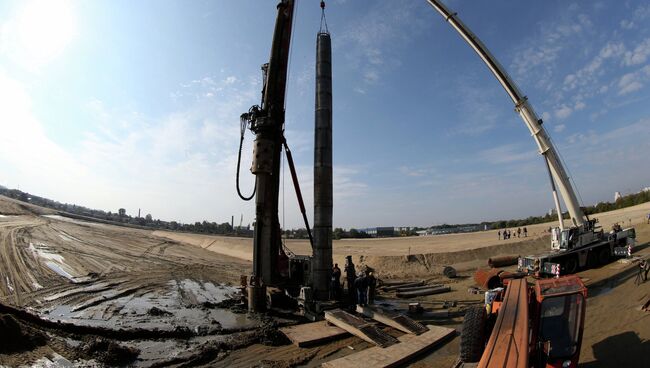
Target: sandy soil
[421,255]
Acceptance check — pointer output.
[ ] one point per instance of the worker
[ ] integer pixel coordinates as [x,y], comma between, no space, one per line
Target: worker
[644,268]
[361,285]
[372,287]
[499,234]
[519,232]
[335,288]
[525,232]
[350,276]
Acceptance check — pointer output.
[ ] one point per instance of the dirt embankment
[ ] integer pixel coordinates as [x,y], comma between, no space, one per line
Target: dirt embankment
[424,265]
[417,256]
[10,206]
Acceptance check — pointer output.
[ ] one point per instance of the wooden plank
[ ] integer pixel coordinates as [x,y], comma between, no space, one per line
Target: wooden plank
[308,334]
[398,321]
[393,356]
[359,328]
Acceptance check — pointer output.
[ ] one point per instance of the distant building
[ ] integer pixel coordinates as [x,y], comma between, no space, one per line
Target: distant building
[617,196]
[379,232]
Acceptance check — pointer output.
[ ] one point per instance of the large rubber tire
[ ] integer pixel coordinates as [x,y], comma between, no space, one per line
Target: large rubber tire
[569,265]
[472,336]
[603,256]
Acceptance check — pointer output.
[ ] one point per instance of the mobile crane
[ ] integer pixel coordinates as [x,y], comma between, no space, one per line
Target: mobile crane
[583,243]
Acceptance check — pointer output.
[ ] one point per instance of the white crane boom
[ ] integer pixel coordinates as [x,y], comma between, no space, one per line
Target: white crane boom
[533,122]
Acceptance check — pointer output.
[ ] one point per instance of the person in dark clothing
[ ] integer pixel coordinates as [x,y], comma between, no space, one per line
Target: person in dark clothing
[525,232]
[350,276]
[499,233]
[519,232]
[335,287]
[361,285]
[372,287]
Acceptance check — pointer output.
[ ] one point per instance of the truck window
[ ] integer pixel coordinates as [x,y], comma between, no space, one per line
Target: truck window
[561,317]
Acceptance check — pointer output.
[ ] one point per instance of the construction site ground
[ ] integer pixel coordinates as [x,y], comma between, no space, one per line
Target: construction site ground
[99,294]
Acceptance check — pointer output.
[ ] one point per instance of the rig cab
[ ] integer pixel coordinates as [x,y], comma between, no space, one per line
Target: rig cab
[526,323]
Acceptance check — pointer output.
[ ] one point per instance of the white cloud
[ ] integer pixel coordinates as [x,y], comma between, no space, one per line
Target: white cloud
[371,43]
[627,24]
[540,54]
[629,83]
[639,55]
[559,128]
[563,112]
[507,154]
[579,106]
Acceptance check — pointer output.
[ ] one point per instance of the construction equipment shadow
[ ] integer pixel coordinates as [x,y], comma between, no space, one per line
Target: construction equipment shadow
[622,350]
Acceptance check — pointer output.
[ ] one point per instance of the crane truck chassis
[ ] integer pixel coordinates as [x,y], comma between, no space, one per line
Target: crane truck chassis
[526,323]
[569,256]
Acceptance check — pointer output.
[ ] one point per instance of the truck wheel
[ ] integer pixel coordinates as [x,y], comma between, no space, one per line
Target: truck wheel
[569,266]
[603,256]
[472,337]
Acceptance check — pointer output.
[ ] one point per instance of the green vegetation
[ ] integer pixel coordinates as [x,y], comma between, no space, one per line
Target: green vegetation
[121,218]
[625,201]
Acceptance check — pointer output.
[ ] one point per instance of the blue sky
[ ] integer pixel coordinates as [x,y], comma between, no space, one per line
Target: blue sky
[114,104]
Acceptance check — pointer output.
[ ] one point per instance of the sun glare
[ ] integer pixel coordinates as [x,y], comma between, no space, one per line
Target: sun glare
[39,32]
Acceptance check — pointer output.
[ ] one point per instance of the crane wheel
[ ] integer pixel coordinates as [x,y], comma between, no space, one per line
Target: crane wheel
[472,337]
[603,256]
[570,266]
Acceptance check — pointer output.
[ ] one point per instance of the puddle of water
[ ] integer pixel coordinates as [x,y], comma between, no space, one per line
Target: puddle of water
[208,292]
[11,288]
[131,311]
[58,269]
[55,361]
[55,262]
[95,287]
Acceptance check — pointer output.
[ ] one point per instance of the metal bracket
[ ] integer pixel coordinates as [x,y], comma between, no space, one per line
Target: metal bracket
[262,156]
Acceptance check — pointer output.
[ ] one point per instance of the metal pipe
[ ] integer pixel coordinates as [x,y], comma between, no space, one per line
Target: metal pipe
[322,249]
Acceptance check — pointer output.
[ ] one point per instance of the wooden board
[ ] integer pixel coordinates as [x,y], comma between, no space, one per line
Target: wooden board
[398,321]
[360,328]
[409,346]
[312,333]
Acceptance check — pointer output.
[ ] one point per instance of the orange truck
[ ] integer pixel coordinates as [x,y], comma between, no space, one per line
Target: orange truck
[526,323]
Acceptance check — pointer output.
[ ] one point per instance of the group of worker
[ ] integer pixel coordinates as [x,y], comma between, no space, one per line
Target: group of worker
[361,286]
[507,234]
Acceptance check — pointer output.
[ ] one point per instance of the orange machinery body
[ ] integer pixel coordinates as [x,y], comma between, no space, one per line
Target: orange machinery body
[524,321]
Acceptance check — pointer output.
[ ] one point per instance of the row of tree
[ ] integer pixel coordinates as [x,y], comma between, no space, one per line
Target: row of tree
[623,202]
[121,217]
[226,228]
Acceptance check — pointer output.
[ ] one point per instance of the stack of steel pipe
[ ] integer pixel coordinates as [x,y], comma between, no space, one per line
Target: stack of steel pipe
[427,291]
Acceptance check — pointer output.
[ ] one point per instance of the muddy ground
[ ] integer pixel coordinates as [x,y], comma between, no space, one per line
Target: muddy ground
[90,294]
[86,286]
